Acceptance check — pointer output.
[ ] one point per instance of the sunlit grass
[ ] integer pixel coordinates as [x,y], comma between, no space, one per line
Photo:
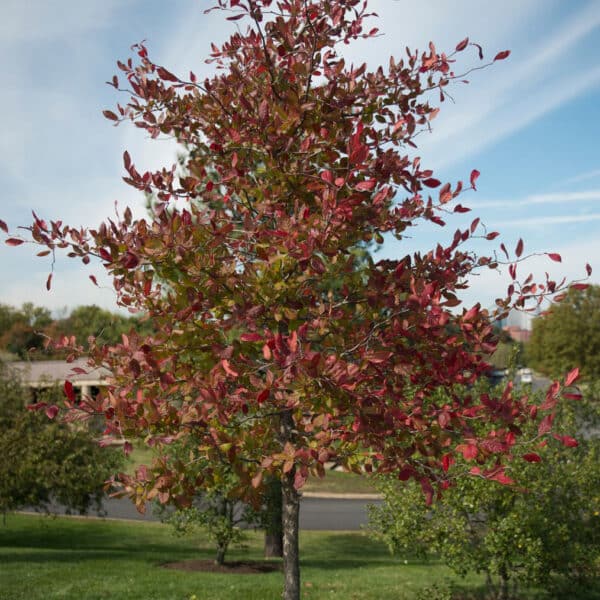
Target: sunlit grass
[78,559]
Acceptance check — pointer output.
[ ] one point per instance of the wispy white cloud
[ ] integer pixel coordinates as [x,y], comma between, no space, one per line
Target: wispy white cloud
[538,78]
[550,198]
[579,178]
[543,221]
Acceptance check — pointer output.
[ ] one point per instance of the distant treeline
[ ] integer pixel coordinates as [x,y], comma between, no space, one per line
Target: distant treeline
[25,331]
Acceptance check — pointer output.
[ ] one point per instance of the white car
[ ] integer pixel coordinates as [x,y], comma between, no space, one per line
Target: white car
[526,375]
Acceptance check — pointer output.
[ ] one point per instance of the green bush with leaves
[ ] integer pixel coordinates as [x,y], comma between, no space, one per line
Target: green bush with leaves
[568,334]
[42,461]
[543,530]
[221,505]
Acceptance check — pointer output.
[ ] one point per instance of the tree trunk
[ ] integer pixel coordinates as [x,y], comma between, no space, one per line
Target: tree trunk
[221,550]
[291,557]
[504,584]
[290,510]
[273,522]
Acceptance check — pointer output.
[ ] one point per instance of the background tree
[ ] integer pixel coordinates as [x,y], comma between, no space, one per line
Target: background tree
[545,530]
[25,331]
[568,335]
[21,330]
[43,462]
[275,345]
[220,508]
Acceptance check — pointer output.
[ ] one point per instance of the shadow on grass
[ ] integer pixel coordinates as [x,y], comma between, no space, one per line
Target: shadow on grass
[350,551]
[89,539]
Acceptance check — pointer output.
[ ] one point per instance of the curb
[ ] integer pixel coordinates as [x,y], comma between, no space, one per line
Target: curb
[332,496]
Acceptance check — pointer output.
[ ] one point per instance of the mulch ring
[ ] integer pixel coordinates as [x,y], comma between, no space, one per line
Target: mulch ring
[241,567]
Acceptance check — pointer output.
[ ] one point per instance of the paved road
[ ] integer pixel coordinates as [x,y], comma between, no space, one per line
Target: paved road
[315,513]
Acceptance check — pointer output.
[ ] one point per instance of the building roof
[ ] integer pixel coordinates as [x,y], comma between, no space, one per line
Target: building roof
[43,373]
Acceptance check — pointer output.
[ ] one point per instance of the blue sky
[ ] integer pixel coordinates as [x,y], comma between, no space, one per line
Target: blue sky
[530,124]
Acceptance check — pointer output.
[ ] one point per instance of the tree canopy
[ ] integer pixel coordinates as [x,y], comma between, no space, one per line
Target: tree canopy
[276,344]
[568,335]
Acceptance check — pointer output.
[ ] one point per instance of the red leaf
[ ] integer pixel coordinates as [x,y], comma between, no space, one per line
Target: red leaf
[469,451]
[579,286]
[569,442]
[501,477]
[49,282]
[69,391]
[502,55]
[588,269]
[572,376]
[105,255]
[491,236]
[327,176]
[555,257]
[251,337]
[300,477]
[3,226]
[93,279]
[445,193]
[447,461]
[365,186]
[432,182]
[474,176]
[462,45]
[532,457]
[14,242]
[257,479]
[263,396]
[130,260]
[427,490]
[227,368]
[406,473]
[110,115]
[519,248]
[166,75]
[545,424]
[459,208]
[51,411]
[378,357]
[472,312]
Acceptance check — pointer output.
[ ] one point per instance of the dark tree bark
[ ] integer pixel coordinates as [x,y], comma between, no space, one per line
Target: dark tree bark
[504,584]
[273,520]
[291,562]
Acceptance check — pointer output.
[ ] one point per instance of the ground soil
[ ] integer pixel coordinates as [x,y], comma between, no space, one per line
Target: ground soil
[242,567]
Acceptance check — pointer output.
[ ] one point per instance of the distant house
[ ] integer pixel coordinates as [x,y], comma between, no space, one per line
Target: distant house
[517,334]
[47,373]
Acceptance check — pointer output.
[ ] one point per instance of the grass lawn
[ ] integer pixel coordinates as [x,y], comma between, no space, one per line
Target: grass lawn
[78,559]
